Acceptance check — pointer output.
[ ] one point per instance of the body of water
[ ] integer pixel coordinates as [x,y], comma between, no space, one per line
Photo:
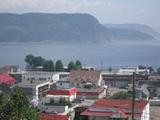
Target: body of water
[114,54]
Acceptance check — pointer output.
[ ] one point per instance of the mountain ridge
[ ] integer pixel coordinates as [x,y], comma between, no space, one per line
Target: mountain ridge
[75,27]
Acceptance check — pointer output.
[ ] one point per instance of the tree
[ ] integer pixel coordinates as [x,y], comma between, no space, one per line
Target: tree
[59,66]
[38,61]
[71,66]
[78,65]
[48,65]
[110,69]
[120,95]
[18,107]
[29,59]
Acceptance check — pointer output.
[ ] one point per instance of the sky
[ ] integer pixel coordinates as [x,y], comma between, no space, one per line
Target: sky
[106,11]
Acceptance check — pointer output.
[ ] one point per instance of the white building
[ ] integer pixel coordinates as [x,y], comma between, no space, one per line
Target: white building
[130,70]
[36,89]
[43,76]
[57,94]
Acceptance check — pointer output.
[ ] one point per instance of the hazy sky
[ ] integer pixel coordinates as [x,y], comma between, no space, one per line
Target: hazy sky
[107,11]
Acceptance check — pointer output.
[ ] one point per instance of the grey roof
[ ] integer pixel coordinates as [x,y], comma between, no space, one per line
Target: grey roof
[29,84]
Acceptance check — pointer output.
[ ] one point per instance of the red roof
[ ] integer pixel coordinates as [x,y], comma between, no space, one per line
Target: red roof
[62,92]
[6,79]
[44,116]
[107,107]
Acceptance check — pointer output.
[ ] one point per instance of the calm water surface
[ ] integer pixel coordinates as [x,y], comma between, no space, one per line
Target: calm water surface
[115,54]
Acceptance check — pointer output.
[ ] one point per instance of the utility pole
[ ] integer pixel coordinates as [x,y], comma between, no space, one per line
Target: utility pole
[133,95]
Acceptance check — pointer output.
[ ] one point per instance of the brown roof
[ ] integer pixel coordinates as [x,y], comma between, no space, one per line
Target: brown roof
[84,76]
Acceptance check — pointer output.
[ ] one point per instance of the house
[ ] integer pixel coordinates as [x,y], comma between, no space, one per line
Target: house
[37,89]
[154,77]
[37,75]
[96,93]
[7,79]
[46,116]
[59,102]
[68,94]
[88,83]
[150,87]
[109,109]
[121,80]
[85,79]
[43,76]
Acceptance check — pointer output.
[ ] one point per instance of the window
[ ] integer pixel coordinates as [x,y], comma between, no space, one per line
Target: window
[78,85]
[61,83]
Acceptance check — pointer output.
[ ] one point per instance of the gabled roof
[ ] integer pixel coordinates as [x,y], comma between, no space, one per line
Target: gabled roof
[6,79]
[110,107]
[45,116]
[62,92]
[120,103]
[84,76]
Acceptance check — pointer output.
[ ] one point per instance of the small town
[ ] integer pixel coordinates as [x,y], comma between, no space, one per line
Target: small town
[79,60]
[75,92]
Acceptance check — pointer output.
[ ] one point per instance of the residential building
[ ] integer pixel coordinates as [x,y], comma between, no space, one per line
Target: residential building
[67,94]
[88,83]
[121,80]
[43,76]
[37,89]
[150,87]
[85,79]
[96,93]
[37,75]
[109,109]
[154,77]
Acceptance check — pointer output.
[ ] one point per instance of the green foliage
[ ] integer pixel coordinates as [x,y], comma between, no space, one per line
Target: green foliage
[59,66]
[110,69]
[120,95]
[74,66]
[17,107]
[71,66]
[38,61]
[5,89]
[78,65]
[29,59]
[48,65]
[33,62]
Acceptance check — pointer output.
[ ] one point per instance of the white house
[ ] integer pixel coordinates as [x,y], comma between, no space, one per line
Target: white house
[37,89]
[67,94]
[88,83]
[44,76]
